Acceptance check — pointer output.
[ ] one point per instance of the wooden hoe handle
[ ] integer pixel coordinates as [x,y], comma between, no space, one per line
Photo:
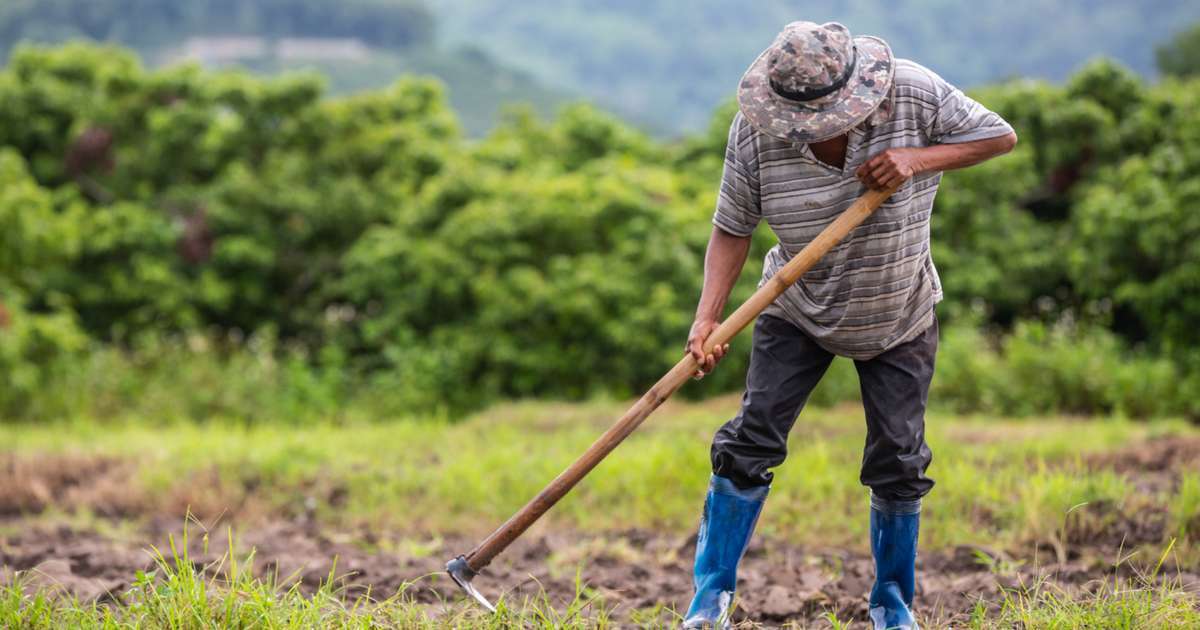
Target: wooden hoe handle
[500,539]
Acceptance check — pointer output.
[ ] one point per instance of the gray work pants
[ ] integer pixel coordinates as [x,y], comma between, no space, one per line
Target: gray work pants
[785,366]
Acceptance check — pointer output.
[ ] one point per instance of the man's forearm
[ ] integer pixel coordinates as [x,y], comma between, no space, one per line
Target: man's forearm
[893,166]
[947,157]
[722,265]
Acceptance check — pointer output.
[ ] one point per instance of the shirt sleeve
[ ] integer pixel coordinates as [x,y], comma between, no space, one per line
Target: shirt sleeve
[959,118]
[738,210]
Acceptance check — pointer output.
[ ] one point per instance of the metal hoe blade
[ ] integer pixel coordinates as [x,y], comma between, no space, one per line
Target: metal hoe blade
[462,574]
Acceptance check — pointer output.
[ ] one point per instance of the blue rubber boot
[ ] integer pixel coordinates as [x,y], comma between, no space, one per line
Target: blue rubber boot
[894,526]
[725,527]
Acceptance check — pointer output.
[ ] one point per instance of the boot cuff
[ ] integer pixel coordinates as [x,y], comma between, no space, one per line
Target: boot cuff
[724,485]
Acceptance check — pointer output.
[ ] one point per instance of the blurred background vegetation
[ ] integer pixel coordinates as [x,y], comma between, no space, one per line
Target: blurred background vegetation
[181,241]
[663,65]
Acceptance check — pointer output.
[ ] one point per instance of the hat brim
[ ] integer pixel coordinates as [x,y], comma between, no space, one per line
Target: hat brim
[826,117]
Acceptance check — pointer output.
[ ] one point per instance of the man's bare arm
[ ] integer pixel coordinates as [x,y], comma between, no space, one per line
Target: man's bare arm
[722,265]
[896,165]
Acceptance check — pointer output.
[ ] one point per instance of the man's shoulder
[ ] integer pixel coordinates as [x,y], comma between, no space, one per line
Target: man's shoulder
[741,129]
[749,140]
[914,79]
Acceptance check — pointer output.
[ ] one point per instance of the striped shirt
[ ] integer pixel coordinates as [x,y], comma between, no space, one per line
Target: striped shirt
[877,288]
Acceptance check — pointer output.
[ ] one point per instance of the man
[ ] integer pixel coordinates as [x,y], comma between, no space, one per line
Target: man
[823,114]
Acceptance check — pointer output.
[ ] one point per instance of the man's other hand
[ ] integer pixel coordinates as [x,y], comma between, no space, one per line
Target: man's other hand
[701,329]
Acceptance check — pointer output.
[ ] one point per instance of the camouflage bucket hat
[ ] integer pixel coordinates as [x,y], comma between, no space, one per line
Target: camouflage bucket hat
[815,82]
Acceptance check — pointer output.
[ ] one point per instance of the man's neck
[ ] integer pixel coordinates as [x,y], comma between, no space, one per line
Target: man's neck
[832,151]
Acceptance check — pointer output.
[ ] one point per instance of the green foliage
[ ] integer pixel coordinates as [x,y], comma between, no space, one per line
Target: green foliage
[36,237]
[230,204]
[1038,369]
[1090,215]
[199,378]
[35,348]
[36,241]
[1181,55]
[363,236]
[989,248]
[1138,236]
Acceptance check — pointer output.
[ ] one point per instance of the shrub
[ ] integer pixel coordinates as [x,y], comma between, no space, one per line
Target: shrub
[1060,368]
[373,253]
[34,349]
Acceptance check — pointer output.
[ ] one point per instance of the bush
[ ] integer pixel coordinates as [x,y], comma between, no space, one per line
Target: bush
[34,349]
[1039,369]
[1138,244]
[162,379]
[373,253]
[1060,368]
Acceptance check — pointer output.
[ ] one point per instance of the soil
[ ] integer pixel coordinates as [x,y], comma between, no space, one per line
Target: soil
[631,570]
[1153,465]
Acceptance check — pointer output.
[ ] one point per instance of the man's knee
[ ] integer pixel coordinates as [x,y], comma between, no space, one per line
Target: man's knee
[745,454]
[897,474]
[784,367]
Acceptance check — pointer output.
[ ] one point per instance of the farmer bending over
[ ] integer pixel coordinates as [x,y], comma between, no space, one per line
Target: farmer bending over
[823,115]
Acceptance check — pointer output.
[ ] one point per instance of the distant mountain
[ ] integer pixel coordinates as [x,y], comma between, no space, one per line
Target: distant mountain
[478,85]
[357,44]
[663,64]
[669,62]
[154,24]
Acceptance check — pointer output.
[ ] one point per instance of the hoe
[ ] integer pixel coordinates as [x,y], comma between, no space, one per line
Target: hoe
[464,568]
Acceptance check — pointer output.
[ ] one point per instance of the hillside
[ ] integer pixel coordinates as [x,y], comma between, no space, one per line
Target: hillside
[671,62]
[662,65]
[355,44]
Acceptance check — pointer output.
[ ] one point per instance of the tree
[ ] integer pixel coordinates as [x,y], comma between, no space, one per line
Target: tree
[1180,56]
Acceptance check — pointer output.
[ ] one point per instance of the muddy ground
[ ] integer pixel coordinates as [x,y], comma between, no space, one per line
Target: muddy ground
[631,570]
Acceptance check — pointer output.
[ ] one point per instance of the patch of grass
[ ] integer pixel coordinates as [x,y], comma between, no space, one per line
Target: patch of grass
[1000,482]
[1185,506]
[181,593]
[1142,602]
